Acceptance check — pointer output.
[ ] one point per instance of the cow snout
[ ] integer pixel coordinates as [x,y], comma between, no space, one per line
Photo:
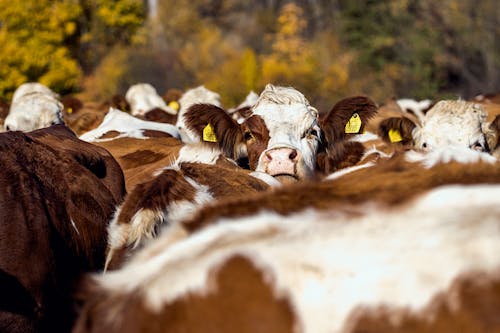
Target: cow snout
[281,161]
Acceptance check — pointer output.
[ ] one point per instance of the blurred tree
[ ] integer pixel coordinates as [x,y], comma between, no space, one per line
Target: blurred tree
[55,42]
[35,32]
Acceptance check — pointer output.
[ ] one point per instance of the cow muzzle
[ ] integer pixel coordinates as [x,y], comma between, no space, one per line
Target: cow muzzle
[282,163]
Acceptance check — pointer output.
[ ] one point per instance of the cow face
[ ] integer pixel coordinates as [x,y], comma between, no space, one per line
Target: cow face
[283,134]
[448,123]
[33,111]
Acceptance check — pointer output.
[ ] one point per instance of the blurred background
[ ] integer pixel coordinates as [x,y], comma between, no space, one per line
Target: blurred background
[326,49]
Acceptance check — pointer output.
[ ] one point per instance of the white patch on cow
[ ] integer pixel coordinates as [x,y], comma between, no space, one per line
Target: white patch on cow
[447,155]
[193,96]
[451,123]
[365,137]
[32,111]
[266,178]
[289,118]
[416,107]
[143,97]
[345,171]
[198,153]
[329,264]
[127,125]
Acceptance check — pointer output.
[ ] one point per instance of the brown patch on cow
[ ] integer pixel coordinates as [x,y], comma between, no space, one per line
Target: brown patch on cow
[240,299]
[256,135]
[403,125]
[140,157]
[338,156]
[334,122]
[57,195]
[110,135]
[390,182]
[86,119]
[172,94]
[119,102]
[140,168]
[470,304]
[227,130]
[71,104]
[160,116]
[156,134]
[223,181]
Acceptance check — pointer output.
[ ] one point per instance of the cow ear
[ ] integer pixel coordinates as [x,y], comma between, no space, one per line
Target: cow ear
[347,118]
[339,155]
[397,130]
[493,137]
[215,127]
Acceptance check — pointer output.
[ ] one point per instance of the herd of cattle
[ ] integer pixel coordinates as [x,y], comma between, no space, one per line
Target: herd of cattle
[153,213]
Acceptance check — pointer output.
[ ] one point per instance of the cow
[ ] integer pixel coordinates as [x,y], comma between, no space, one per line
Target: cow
[362,253]
[143,98]
[191,97]
[57,196]
[33,106]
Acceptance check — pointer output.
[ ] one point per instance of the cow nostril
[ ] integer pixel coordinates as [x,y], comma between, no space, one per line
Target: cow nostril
[268,156]
[293,155]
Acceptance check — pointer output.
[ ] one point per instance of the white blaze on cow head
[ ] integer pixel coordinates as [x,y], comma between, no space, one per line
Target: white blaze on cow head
[447,124]
[191,97]
[293,134]
[33,111]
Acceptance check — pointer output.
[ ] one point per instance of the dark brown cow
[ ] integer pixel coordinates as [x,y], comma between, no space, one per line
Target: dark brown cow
[403,247]
[57,196]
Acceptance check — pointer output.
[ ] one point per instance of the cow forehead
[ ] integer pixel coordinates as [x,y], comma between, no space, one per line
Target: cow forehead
[291,118]
[452,122]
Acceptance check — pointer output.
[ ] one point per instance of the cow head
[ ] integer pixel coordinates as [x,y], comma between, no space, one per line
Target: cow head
[191,97]
[282,134]
[448,123]
[33,111]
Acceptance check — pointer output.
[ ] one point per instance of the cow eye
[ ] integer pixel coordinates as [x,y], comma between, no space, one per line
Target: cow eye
[477,146]
[311,133]
[248,136]
[424,145]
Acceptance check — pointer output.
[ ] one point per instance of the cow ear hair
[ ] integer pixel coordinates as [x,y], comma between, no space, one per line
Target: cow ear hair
[397,130]
[216,127]
[338,156]
[335,123]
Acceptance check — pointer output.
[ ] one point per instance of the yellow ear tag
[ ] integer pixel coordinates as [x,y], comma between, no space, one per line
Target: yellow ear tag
[353,125]
[209,134]
[70,110]
[395,136]
[174,105]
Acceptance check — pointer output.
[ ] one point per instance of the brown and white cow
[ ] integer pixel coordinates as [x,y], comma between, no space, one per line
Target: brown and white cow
[57,196]
[400,247]
[33,106]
